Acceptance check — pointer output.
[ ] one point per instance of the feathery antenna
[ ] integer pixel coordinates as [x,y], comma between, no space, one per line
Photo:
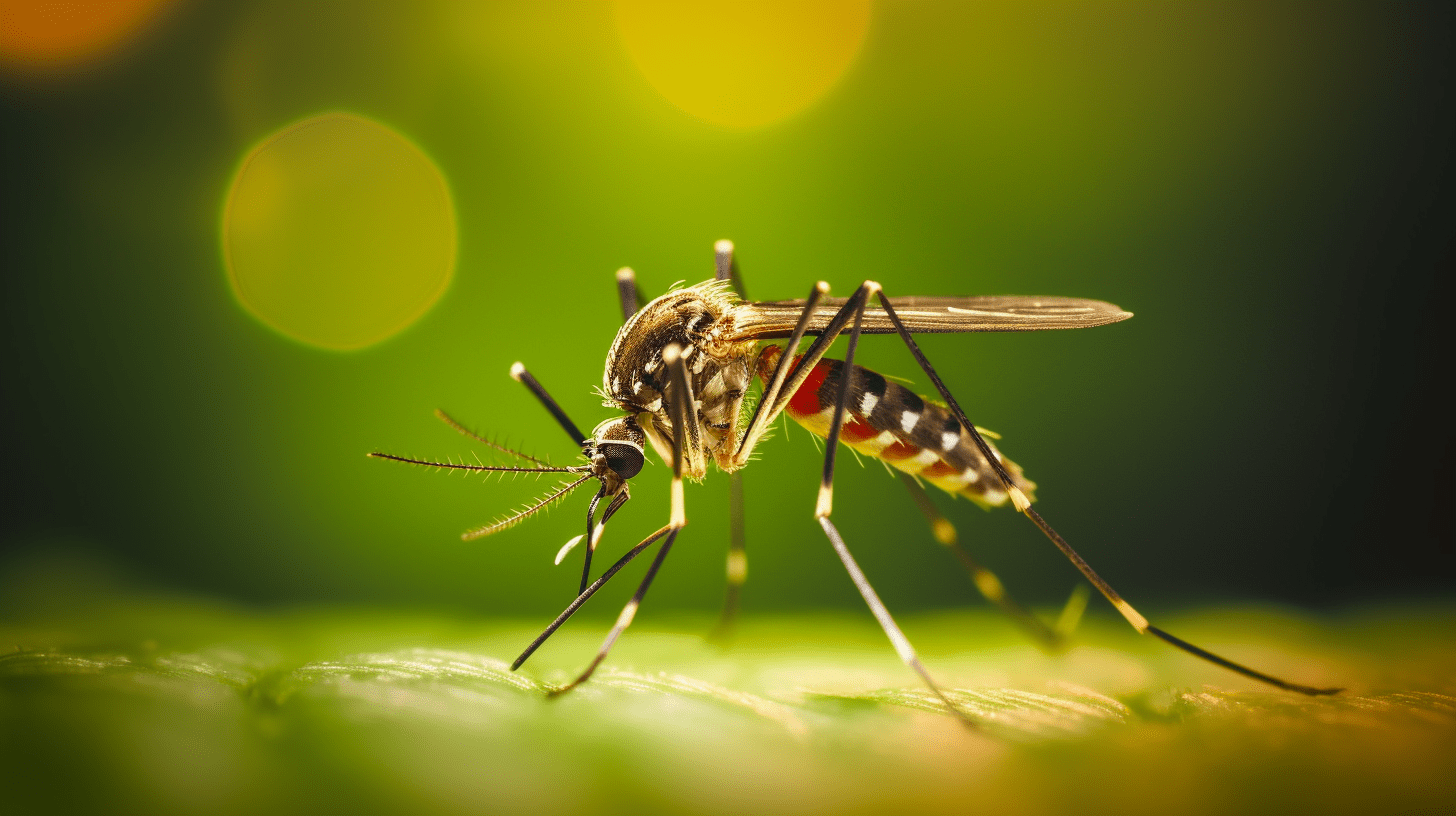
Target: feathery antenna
[464,431]
[520,515]
[479,468]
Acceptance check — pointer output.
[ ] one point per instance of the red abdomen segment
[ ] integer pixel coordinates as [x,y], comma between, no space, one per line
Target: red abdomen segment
[890,422]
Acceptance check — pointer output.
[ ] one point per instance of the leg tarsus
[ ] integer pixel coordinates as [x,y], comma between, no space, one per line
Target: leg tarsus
[737,566]
[1237,667]
[681,411]
[585,596]
[1126,609]
[1048,639]
[623,620]
[887,623]
[824,507]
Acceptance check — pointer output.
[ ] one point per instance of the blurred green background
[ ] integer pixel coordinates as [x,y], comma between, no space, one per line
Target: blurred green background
[246,243]
[1266,185]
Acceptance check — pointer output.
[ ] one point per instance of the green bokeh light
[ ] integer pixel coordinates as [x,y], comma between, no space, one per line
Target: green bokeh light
[338,232]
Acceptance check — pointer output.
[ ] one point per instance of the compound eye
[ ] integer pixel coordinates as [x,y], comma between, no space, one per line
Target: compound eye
[624,460]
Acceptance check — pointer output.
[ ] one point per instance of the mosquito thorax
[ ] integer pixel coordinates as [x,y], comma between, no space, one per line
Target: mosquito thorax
[697,319]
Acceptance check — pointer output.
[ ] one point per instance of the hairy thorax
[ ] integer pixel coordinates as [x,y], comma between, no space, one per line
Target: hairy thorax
[698,319]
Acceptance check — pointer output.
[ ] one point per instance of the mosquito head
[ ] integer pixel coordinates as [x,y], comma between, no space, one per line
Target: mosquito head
[615,452]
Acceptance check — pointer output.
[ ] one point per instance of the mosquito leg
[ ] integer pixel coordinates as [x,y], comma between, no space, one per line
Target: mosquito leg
[782,385]
[521,375]
[627,291]
[726,267]
[1052,639]
[1048,639]
[1023,505]
[681,409]
[887,623]
[940,527]
[624,619]
[825,505]
[776,393]
[1142,625]
[737,561]
[586,595]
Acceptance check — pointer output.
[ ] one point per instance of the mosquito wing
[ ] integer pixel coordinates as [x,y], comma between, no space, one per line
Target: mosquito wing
[932,315]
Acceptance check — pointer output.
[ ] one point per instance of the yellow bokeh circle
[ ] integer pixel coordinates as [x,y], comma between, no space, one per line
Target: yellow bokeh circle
[743,64]
[338,232]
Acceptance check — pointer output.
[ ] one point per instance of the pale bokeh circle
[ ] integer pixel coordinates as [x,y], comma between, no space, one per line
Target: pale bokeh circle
[743,64]
[338,232]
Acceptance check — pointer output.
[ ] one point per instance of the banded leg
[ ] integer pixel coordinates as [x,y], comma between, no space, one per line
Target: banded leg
[1047,638]
[726,268]
[586,595]
[737,569]
[780,387]
[681,409]
[825,505]
[1023,505]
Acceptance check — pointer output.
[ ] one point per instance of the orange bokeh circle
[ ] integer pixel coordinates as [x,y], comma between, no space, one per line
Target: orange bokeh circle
[39,34]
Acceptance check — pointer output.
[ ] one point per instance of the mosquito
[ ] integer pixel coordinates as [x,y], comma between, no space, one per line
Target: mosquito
[679,371]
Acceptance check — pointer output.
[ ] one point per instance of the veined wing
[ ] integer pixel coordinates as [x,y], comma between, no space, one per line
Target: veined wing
[932,315]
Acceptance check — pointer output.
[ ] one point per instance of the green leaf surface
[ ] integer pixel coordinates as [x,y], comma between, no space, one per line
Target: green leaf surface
[165,707]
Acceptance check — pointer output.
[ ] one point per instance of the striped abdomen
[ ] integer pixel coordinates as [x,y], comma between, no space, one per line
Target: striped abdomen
[890,422]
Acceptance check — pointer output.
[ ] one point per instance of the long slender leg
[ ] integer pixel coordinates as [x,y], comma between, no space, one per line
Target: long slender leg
[681,409]
[627,291]
[825,505]
[586,595]
[726,267]
[1049,639]
[521,375]
[737,561]
[781,386]
[1019,499]
[624,619]
[940,527]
